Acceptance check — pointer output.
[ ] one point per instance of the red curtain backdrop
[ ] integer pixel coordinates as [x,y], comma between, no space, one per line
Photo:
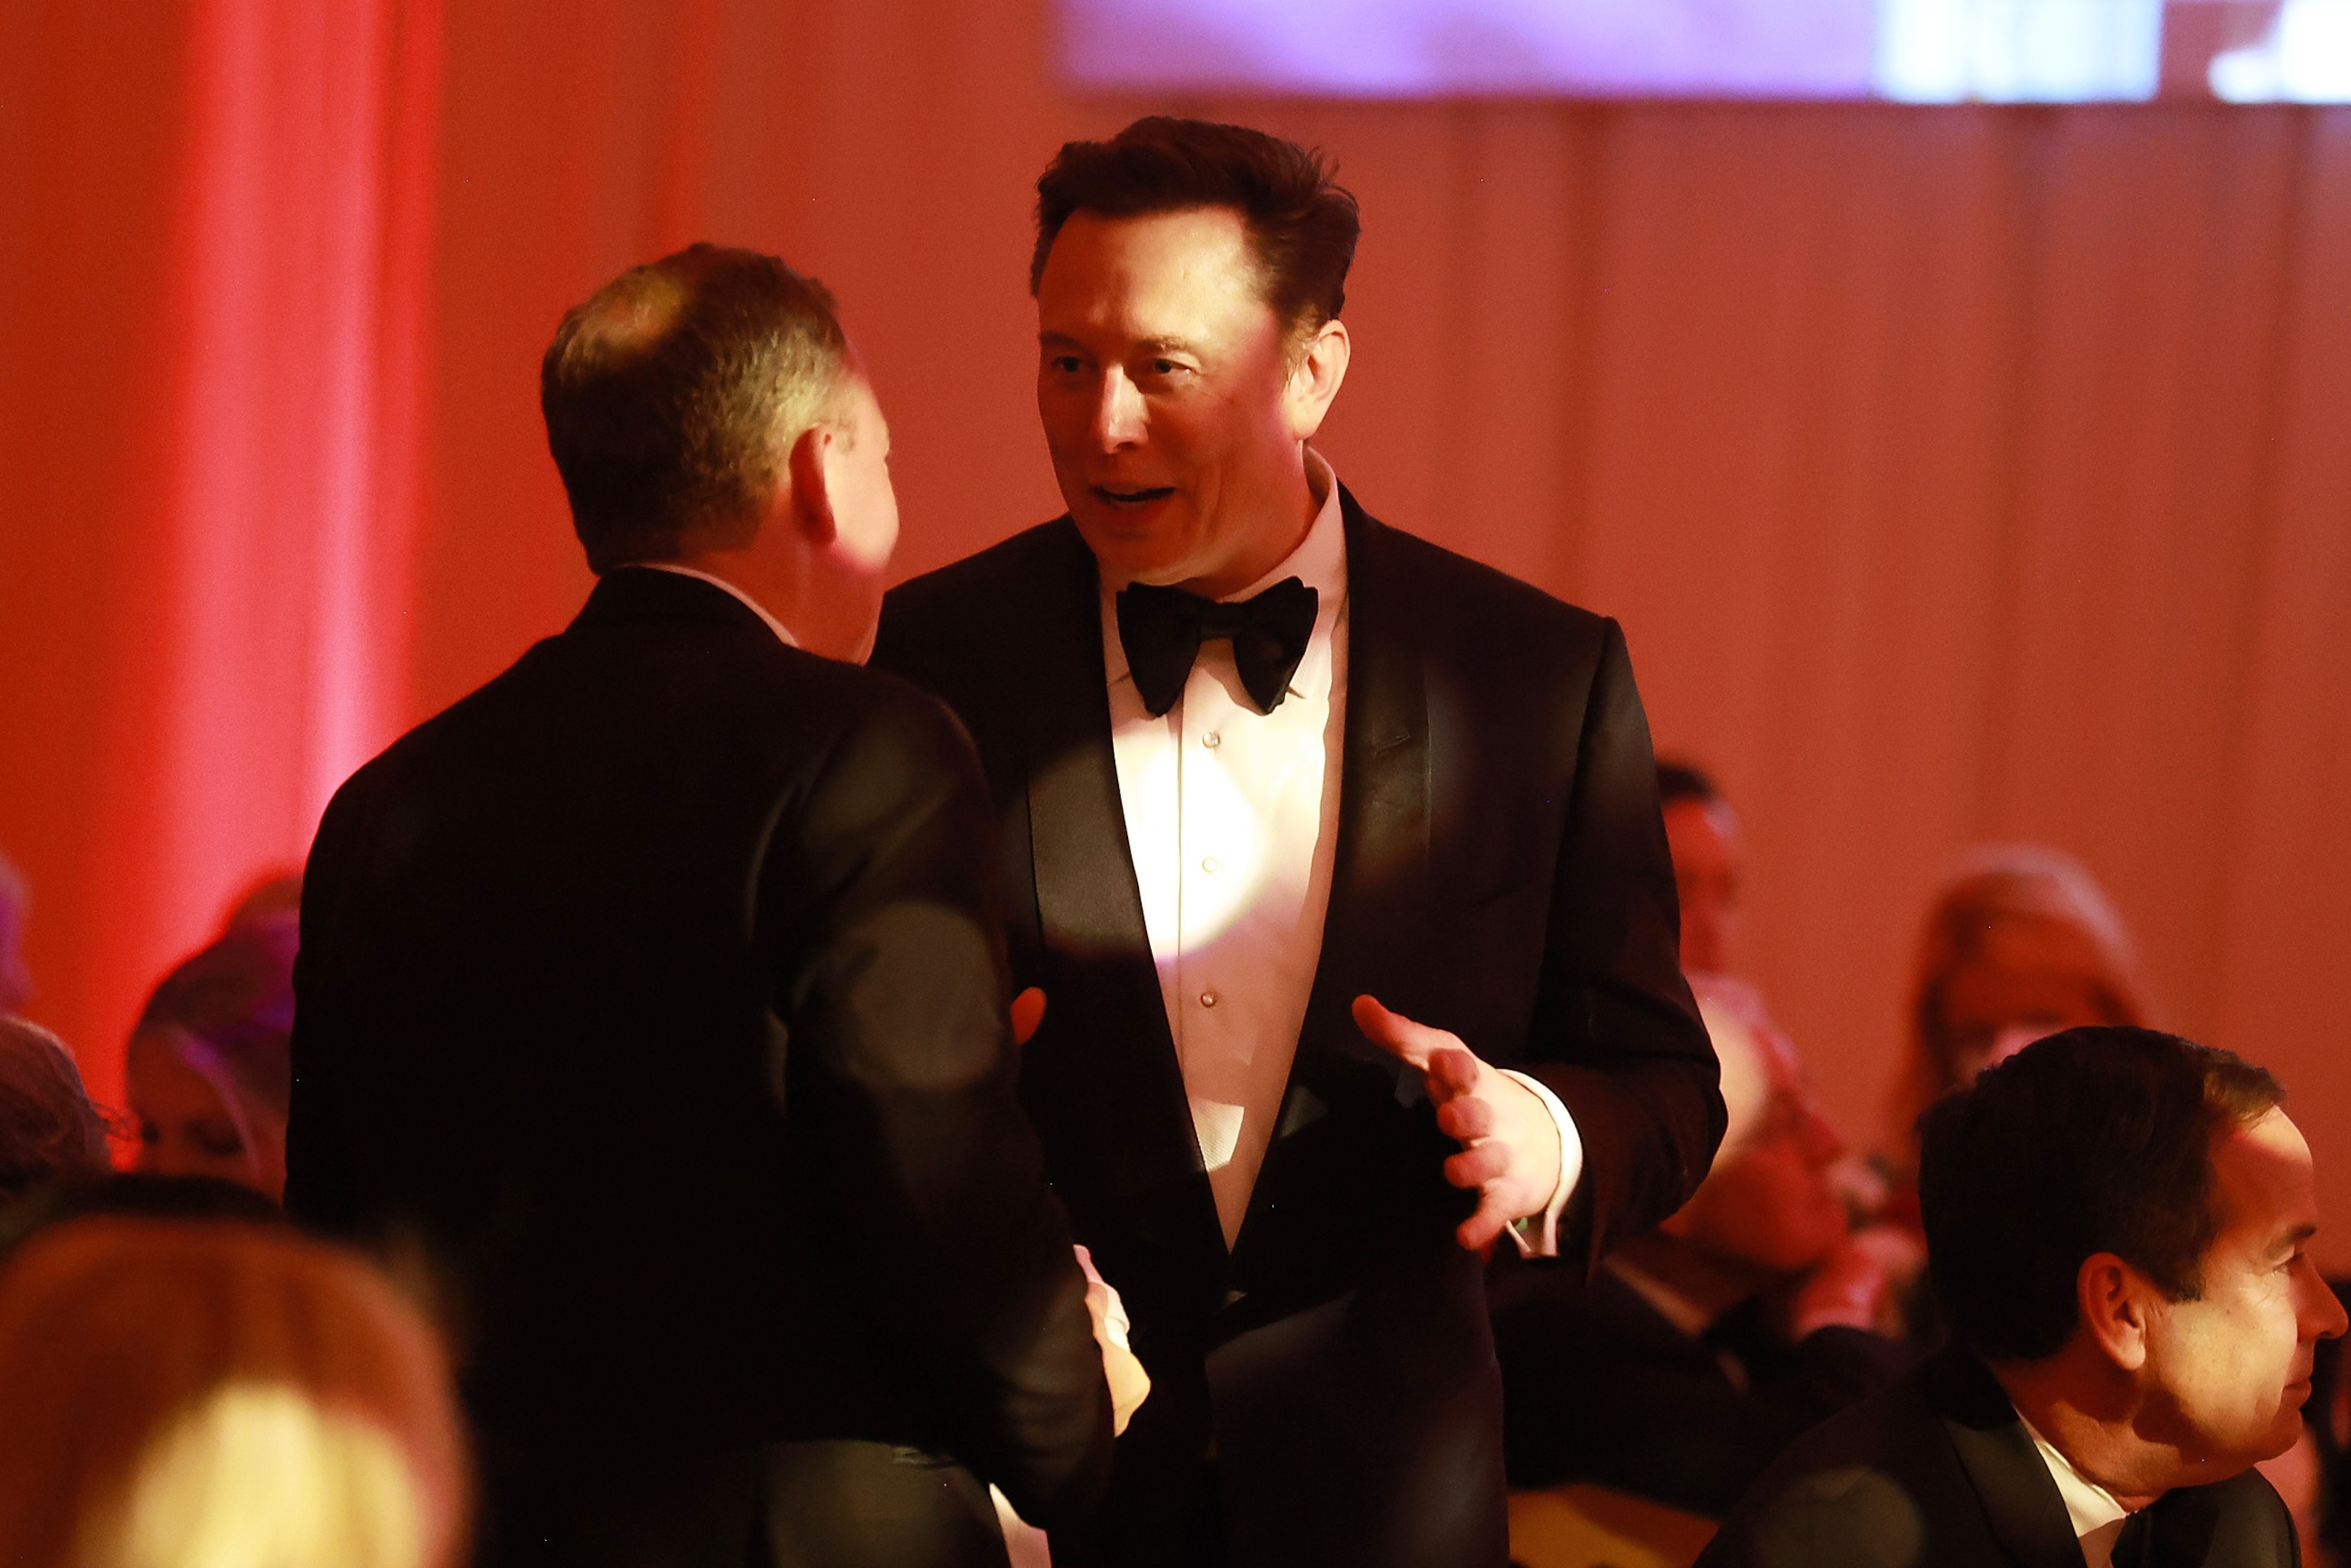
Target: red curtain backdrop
[1957,474]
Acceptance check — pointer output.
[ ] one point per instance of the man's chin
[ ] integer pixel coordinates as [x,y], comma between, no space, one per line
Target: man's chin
[1130,547]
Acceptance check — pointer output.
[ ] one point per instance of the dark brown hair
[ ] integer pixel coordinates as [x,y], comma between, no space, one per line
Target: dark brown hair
[2094,1140]
[1303,226]
[674,393]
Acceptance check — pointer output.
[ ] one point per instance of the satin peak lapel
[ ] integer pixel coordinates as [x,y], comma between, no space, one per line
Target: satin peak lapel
[1379,878]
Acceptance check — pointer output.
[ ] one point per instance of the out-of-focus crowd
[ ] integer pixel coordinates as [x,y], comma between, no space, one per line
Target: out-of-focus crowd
[185,1378]
[241,1360]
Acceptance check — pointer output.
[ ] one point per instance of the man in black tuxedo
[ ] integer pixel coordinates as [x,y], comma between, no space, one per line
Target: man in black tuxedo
[2117,1225]
[1257,759]
[658,990]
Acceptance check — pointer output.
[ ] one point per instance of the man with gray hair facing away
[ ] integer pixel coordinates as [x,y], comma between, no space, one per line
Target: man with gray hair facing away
[659,987]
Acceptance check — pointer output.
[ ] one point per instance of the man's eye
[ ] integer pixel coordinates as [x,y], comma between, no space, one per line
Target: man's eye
[149,1132]
[1063,364]
[1165,367]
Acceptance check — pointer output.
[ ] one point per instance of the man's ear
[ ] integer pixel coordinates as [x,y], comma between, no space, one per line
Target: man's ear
[2116,1303]
[1315,378]
[809,494]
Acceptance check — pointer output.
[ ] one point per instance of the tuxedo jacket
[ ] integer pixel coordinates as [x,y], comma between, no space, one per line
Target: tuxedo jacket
[658,989]
[1501,872]
[1939,1472]
[1597,1387]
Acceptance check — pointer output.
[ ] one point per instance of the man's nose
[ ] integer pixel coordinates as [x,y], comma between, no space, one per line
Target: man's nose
[2331,1317]
[1118,412]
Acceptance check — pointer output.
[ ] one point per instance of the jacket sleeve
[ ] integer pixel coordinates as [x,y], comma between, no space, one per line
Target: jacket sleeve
[319,1188]
[1616,1033]
[900,1067]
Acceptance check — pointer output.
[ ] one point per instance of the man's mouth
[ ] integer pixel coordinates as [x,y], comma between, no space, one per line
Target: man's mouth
[1127,496]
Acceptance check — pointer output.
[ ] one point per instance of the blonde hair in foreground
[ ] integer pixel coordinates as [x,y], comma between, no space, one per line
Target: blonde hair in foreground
[211,1395]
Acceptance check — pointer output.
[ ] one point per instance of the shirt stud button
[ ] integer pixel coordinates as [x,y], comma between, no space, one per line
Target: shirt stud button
[1212,740]
[1207,999]
[1209,865]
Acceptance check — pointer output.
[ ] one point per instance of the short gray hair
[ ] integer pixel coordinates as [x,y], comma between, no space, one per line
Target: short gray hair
[672,394]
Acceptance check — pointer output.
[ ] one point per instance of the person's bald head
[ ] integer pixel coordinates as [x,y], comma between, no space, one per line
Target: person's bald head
[674,393]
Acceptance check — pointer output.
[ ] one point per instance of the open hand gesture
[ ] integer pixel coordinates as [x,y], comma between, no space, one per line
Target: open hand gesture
[1510,1144]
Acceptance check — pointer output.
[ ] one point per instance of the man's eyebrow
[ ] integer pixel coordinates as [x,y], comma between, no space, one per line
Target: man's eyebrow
[2292,1240]
[1146,345]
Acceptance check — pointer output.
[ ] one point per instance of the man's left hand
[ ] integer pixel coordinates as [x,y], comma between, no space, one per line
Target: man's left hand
[1510,1144]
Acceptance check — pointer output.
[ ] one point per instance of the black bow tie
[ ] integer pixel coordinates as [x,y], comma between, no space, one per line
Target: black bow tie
[1161,629]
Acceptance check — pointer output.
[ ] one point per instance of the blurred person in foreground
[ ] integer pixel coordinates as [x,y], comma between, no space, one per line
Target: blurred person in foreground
[659,987]
[2117,1223]
[208,1073]
[1703,1347]
[50,1130]
[1339,855]
[195,1394]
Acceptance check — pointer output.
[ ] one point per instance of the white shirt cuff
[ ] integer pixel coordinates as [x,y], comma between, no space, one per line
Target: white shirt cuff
[1538,1234]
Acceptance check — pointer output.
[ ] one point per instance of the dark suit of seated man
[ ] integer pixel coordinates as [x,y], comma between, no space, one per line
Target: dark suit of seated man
[1703,1348]
[659,989]
[2117,1225]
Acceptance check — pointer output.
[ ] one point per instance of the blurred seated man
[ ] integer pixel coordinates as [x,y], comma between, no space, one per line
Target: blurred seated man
[16,979]
[189,1394]
[1709,865]
[49,1132]
[2117,1222]
[210,1074]
[1704,1346]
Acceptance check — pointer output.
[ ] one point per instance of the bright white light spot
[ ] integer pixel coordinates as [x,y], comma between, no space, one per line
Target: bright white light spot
[2011,51]
[2305,57]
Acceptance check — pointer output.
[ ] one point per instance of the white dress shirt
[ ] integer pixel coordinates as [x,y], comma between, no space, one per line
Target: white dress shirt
[2098,1517]
[1232,821]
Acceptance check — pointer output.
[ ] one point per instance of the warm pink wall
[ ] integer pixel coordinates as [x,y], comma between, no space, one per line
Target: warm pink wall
[1957,474]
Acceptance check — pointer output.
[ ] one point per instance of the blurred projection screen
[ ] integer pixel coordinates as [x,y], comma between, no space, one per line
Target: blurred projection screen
[1909,51]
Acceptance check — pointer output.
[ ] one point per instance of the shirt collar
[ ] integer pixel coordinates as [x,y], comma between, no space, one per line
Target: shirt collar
[2091,1507]
[782,632]
[1320,561]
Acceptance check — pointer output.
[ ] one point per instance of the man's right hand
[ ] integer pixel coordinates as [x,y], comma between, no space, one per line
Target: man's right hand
[1130,1386]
